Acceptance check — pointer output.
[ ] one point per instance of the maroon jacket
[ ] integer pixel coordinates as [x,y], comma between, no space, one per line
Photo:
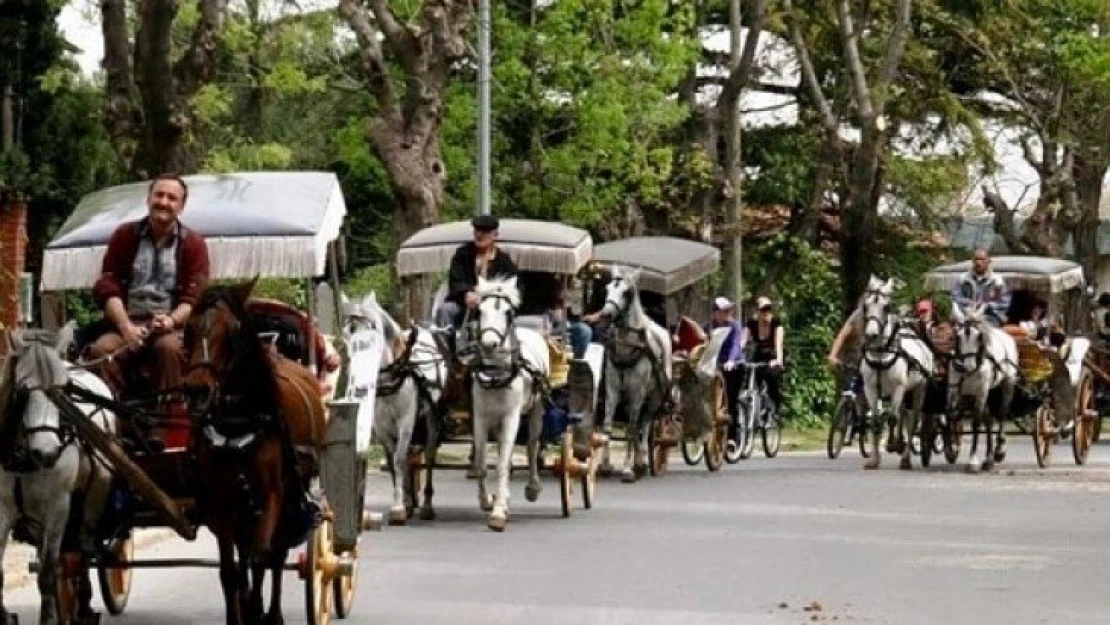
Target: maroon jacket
[115,274]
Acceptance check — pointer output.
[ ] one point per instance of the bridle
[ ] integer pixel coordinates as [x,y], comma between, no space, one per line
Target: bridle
[510,320]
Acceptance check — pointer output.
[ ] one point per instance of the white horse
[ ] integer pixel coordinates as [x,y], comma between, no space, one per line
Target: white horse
[895,362]
[44,464]
[509,372]
[637,368]
[410,383]
[986,358]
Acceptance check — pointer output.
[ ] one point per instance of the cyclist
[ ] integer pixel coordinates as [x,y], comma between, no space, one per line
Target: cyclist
[767,336]
[730,356]
[847,349]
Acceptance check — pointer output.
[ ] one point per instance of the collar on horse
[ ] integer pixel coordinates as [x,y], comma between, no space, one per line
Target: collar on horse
[393,376]
[889,353]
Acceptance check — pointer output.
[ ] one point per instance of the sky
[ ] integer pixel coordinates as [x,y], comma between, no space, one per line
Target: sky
[1016,181]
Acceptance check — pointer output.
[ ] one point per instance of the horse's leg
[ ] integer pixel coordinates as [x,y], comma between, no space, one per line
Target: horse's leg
[908,424]
[612,398]
[535,429]
[269,485]
[481,433]
[974,463]
[53,511]
[431,452]
[633,458]
[510,423]
[277,569]
[874,424]
[1003,414]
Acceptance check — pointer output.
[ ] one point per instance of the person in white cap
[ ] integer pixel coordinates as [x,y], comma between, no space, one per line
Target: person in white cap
[730,356]
[767,337]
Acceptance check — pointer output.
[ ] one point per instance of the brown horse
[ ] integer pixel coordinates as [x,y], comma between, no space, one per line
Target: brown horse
[263,423]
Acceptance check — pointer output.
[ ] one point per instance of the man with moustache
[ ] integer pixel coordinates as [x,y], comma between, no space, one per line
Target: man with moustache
[153,272]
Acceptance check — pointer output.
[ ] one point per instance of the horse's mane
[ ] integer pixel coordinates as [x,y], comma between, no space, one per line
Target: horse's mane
[255,373]
[502,286]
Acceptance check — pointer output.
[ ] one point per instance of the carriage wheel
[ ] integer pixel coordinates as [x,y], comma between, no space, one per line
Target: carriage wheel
[1044,435]
[115,583]
[565,479]
[717,439]
[1085,416]
[659,444]
[344,587]
[927,436]
[318,592]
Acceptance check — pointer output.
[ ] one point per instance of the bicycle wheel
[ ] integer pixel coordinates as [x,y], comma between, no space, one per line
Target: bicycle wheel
[838,427]
[772,436]
[745,431]
[734,449]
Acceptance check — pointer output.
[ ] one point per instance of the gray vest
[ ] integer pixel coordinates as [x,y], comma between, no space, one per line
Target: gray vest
[153,275]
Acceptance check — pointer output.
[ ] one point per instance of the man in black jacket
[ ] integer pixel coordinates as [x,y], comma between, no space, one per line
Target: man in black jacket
[480,257]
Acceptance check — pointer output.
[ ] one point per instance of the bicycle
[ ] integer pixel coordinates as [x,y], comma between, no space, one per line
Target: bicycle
[849,420]
[754,401]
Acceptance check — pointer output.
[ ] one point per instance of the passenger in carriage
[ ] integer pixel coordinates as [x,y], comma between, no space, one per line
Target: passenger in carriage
[153,271]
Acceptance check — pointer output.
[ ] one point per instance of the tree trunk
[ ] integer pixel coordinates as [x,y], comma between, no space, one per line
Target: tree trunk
[860,217]
[1090,171]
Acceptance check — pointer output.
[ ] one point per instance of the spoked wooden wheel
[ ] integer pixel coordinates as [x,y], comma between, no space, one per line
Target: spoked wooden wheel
[589,478]
[115,583]
[1044,435]
[318,589]
[1085,414]
[344,587]
[718,418]
[566,457]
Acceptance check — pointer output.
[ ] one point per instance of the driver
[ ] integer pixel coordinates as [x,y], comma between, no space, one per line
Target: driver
[980,285]
[154,270]
[480,257]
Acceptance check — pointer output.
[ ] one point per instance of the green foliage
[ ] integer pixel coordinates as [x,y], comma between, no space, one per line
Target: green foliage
[376,278]
[808,292]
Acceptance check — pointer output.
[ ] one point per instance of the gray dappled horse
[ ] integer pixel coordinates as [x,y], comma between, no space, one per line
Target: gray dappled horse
[986,358]
[637,369]
[896,361]
[44,462]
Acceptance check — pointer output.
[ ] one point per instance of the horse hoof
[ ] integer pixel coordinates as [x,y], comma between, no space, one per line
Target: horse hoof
[628,476]
[497,522]
[972,468]
[274,619]
[640,470]
[427,513]
[398,516]
[872,464]
[532,492]
[999,456]
[987,465]
[906,464]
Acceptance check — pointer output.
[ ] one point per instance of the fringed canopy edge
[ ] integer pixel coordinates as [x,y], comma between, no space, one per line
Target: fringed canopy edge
[667,283]
[528,257]
[231,258]
[1053,283]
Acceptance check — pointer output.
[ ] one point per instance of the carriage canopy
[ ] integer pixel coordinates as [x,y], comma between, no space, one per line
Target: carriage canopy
[1035,273]
[541,246]
[667,264]
[271,224]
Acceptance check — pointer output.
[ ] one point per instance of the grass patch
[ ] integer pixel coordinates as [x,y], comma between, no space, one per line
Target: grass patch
[799,437]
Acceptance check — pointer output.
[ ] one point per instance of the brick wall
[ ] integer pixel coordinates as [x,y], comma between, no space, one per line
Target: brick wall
[13,259]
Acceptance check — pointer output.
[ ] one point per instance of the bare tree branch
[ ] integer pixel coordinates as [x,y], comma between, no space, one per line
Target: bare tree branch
[895,49]
[849,41]
[400,40]
[373,63]
[755,85]
[809,74]
[740,70]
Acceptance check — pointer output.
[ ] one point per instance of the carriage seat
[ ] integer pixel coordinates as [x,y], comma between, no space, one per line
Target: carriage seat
[290,328]
[688,336]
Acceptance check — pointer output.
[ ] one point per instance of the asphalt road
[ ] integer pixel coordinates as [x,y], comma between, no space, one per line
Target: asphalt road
[797,539]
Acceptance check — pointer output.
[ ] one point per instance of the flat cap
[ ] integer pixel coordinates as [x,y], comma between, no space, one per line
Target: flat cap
[485,222]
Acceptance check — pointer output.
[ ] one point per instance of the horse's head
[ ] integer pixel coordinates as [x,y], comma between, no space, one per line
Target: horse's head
[971,329]
[498,299]
[875,306]
[220,340]
[368,313]
[39,367]
[621,291]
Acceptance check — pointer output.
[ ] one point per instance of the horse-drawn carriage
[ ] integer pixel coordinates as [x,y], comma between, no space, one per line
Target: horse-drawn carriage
[670,387]
[1055,383]
[513,349]
[279,225]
